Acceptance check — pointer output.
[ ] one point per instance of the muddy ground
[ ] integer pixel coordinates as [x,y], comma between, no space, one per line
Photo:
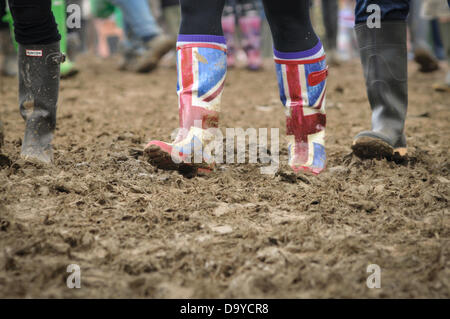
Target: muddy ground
[139,232]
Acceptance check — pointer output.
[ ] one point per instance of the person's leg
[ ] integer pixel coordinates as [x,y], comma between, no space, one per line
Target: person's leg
[34,22]
[3,25]
[229,28]
[302,72]
[130,47]
[384,59]
[138,17]
[438,46]
[39,63]
[201,64]
[290,25]
[330,20]
[172,16]
[419,29]
[68,68]
[250,24]
[445,30]
[7,49]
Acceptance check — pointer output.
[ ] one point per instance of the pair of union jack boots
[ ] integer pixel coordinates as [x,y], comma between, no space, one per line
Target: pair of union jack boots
[202,68]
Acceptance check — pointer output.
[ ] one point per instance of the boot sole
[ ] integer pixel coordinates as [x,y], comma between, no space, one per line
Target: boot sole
[307,170]
[162,159]
[372,148]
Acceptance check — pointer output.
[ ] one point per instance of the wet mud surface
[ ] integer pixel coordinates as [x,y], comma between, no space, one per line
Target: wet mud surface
[140,232]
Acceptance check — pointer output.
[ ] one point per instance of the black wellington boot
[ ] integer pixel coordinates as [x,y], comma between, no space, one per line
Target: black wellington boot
[384,59]
[39,68]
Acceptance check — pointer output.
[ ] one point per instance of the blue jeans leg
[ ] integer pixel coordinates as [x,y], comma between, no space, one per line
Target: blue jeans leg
[390,9]
[139,18]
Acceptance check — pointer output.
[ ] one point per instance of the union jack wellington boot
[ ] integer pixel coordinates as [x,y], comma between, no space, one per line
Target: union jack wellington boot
[250,25]
[302,83]
[384,59]
[202,67]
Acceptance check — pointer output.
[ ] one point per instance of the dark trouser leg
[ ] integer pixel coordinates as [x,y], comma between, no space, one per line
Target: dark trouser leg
[384,59]
[39,63]
[34,22]
[302,72]
[201,17]
[290,25]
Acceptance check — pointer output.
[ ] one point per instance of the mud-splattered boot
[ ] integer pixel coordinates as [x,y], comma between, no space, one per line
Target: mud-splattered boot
[201,77]
[39,72]
[250,25]
[384,59]
[229,29]
[9,65]
[302,83]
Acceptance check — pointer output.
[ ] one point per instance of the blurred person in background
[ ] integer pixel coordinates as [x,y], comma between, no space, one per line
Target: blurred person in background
[438,9]
[330,13]
[420,30]
[7,49]
[145,42]
[347,45]
[68,67]
[246,14]
[77,37]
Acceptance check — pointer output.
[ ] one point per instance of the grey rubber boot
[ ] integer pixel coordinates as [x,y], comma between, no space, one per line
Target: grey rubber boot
[384,60]
[39,68]
[9,65]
